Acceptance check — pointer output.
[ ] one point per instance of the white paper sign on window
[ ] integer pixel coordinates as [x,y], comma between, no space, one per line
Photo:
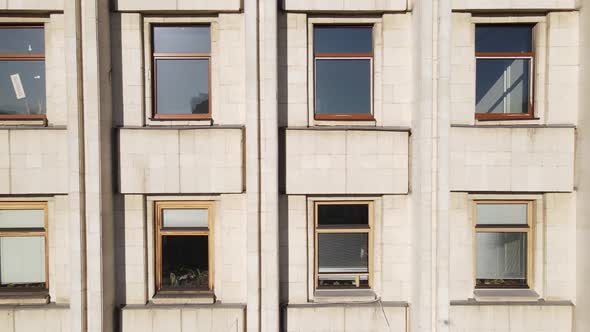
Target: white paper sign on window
[17,84]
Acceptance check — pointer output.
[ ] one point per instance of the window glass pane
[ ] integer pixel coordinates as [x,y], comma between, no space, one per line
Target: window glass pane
[502,214]
[22,218]
[343,253]
[501,256]
[502,85]
[185,262]
[514,38]
[22,87]
[343,86]
[22,261]
[182,39]
[333,39]
[185,218]
[22,41]
[343,214]
[182,86]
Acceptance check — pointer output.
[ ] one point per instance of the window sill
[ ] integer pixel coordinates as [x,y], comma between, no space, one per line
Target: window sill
[344,122]
[344,295]
[23,122]
[23,298]
[505,295]
[184,298]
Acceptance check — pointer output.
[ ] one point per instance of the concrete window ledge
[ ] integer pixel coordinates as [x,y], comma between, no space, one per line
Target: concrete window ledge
[344,296]
[184,298]
[25,298]
[505,295]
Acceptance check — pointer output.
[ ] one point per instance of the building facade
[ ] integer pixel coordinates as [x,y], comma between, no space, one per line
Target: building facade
[317,165]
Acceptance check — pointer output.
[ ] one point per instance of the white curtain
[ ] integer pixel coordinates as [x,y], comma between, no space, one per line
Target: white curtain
[22,260]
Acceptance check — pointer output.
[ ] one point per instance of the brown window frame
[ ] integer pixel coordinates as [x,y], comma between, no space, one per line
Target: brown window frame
[193,231]
[28,232]
[350,56]
[178,56]
[23,57]
[505,228]
[344,230]
[511,55]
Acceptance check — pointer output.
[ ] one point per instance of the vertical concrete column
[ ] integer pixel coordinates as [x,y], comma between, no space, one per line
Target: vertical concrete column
[442,156]
[252,166]
[582,182]
[423,167]
[98,161]
[75,124]
[269,195]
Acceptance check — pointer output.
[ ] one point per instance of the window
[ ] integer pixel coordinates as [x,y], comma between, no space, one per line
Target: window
[22,73]
[343,243]
[343,65]
[504,244]
[504,71]
[182,72]
[183,246]
[23,246]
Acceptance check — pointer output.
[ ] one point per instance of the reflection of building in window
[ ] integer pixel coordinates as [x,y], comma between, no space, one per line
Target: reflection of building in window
[503,231]
[343,244]
[183,246]
[22,72]
[182,67]
[343,64]
[504,71]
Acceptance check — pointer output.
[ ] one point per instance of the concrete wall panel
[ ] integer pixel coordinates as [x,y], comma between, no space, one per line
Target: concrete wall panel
[37,5]
[514,4]
[345,5]
[512,159]
[346,162]
[181,160]
[200,5]
[33,162]
[46,318]
[186,318]
[350,318]
[511,318]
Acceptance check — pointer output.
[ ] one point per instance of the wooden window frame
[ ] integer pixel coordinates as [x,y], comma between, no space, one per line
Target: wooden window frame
[28,232]
[344,230]
[23,57]
[346,56]
[192,231]
[506,228]
[178,56]
[511,55]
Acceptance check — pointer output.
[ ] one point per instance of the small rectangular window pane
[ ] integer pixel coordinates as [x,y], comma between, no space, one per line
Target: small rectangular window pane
[185,218]
[343,253]
[502,214]
[182,39]
[343,86]
[185,262]
[333,39]
[502,86]
[22,218]
[31,76]
[501,258]
[22,41]
[506,38]
[22,261]
[343,214]
[182,86]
